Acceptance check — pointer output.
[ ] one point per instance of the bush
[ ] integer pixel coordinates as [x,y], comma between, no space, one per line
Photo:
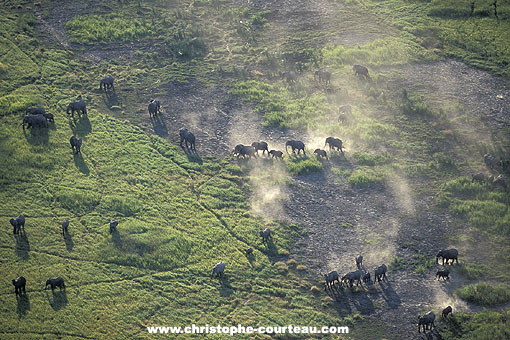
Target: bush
[303,166]
[485,294]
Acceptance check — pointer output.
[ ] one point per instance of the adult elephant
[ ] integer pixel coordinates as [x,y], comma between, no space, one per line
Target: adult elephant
[187,137]
[360,71]
[244,150]
[295,145]
[106,83]
[77,106]
[154,108]
[334,143]
[34,121]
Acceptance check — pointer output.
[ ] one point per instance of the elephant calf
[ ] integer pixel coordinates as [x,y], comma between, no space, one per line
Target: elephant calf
[55,282]
[218,269]
[113,225]
[479,177]
[276,154]
[18,224]
[76,143]
[65,225]
[489,160]
[443,274]
[19,285]
[321,153]
[380,273]
[446,311]
[367,278]
[265,234]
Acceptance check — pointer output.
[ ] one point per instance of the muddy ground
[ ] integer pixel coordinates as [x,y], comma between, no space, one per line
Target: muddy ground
[342,222]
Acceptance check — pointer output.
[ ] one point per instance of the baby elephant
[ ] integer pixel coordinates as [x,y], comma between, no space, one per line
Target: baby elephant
[359,261]
[321,153]
[218,269]
[479,177]
[444,274]
[276,154]
[76,143]
[65,225]
[113,225]
[55,282]
[18,223]
[446,311]
[380,273]
[19,285]
[367,278]
[265,234]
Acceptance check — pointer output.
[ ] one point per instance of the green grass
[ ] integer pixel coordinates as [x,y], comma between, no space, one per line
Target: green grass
[477,326]
[484,294]
[304,165]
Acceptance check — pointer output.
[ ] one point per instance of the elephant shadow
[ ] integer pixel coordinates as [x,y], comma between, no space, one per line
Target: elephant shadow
[23,305]
[111,99]
[226,288]
[69,242]
[390,295]
[37,136]
[58,299]
[80,163]
[81,126]
[159,126]
[117,241]
[338,294]
[363,303]
[271,247]
[193,157]
[22,245]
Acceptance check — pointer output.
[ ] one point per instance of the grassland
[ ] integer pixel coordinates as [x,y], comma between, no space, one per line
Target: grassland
[180,216]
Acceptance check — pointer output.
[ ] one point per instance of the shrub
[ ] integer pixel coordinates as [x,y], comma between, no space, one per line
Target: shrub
[485,294]
[303,166]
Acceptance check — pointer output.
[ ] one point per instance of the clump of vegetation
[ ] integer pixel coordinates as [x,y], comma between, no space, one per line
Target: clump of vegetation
[484,294]
[367,177]
[371,159]
[303,165]
[477,326]
[106,28]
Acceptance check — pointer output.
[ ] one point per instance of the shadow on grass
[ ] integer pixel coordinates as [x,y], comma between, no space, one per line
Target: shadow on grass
[80,163]
[111,99]
[69,241]
[117,241]
[389,295]
[23,305]
[193,156]
[159,126]
[37,136]
[58,299]
[81,126]
[22,245]
[226,288]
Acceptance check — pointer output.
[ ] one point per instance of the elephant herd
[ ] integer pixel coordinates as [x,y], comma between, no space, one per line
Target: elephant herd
[296,146]
[360,276]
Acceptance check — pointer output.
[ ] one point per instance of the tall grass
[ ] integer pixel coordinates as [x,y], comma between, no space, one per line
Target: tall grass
[485,294]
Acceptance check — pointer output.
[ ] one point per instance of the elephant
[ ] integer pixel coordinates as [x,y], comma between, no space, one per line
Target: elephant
[321,153]
[154,107]
[187,137]
[489,160]
[78,105]
[19,285]
[34,121]
[479,177]
[113,225]
[448,254]
[500,180]
[344,113]
[106,83]
[65,225]
[49,117]
[334,143]
[330,279]
[322,76]
[360,71]
[265,234]
[359,261]
[353,276]
[218,269]
[76,143]
[295,144]
[55,282]
[260,146]
[380,273]
[443,274]
[244,150]
[446,311]
[366,278]
[427,321]
[17,224]
[276,153]
[249,251]
[36,111]
[290,76]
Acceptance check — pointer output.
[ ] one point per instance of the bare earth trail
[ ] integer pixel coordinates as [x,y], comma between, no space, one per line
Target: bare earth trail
[342,222]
